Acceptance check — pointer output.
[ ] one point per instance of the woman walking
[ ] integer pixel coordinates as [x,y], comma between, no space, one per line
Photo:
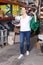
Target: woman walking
[25,31]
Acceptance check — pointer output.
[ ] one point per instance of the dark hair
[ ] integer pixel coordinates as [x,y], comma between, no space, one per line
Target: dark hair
[23,7]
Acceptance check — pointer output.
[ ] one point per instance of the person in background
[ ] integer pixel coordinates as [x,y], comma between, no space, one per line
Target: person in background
[25,31]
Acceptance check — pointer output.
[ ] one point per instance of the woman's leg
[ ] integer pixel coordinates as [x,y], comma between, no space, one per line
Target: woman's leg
[21,45]
[28,40]
[22,42]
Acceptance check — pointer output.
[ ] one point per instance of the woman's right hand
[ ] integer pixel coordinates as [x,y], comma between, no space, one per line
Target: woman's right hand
[17,25]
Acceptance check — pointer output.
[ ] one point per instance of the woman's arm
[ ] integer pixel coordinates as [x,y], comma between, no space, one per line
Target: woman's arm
[34,16]
[17,18]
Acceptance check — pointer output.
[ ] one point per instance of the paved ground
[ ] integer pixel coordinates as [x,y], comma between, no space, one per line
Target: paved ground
[9,54]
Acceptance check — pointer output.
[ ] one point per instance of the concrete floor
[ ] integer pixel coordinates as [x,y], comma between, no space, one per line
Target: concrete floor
[9,54]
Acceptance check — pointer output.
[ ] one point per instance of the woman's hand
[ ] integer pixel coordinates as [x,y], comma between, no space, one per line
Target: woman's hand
[17,25]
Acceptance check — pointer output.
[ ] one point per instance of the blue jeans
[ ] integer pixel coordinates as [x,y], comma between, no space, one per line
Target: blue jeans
[22,37]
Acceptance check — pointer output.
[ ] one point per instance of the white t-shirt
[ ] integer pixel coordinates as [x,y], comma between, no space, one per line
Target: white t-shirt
[24,23]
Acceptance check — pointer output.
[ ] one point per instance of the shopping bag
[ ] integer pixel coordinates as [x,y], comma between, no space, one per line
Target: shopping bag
[34,25]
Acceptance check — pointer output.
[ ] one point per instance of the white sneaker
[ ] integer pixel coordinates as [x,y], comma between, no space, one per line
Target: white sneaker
[27,52]
[21,55]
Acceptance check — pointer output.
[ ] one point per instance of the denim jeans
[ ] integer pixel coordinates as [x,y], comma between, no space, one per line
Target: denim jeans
[22,37]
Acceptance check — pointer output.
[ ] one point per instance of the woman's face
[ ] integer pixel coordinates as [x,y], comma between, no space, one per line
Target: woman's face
[23,10]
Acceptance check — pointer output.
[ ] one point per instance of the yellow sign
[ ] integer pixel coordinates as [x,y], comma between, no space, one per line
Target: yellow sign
[15,9]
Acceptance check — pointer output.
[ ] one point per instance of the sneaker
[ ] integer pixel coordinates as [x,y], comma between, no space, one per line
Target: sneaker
[27,52]
[21,55]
